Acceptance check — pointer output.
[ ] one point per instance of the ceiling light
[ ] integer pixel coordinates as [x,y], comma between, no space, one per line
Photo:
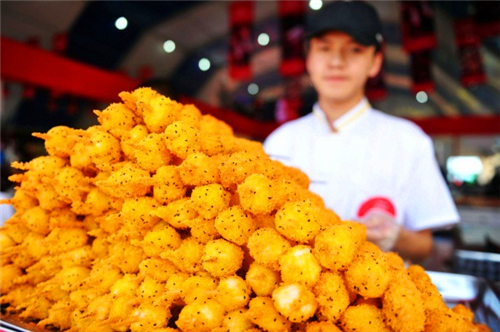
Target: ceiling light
[121,23]
[315,4]
[204,64]
[263,39]
[169,46]
[253,89]
[422,97]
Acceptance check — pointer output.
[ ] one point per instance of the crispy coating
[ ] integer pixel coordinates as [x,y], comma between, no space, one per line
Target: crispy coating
[233,293]
[159,113]
[263,313]
[446,319]
[168,185]
[127,182]
[298,265]
[177,213]
[198,288]
[151,153]
[137,213]
[298,221]
[221,258]
[430,294]
[182,139]
[257,194]
[402,305]
[198,169]
[336,246]
[187,258]
[157,268]
[157,241]
[322,327]
[363,318]
[294,301]
[203,229]
[209,200]
[235,225]
[200,316]
[117,119]
[262,279]
[236,321]
[267,246]
[59,141]
[332,296]
[238,166]
[368,275]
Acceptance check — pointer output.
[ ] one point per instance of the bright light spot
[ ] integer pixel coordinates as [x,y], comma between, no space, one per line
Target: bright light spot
[263,39]
[315,4]
[464,168]
[169,46]
[253,89]
[204,64]
[121,23]
[422,97]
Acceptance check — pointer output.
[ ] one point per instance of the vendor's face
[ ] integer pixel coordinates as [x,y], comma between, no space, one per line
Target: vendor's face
[339,67]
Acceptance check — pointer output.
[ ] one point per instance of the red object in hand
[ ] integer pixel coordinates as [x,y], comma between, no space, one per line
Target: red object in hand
[377,203]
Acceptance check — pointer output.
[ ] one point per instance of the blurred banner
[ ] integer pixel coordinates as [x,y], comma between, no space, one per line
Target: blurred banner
[292,18]
[241,15]
[468,43]
[419,38]
[288,107]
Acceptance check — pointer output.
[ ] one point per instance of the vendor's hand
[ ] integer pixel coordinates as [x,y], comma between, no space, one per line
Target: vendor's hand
[381,229]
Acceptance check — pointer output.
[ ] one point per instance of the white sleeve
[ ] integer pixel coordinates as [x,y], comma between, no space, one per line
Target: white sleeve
[278,145]
[429,204]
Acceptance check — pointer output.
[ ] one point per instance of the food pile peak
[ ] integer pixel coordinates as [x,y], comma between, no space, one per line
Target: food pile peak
[160,219]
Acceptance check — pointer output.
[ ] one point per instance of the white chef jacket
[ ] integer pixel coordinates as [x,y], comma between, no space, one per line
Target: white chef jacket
[372,156]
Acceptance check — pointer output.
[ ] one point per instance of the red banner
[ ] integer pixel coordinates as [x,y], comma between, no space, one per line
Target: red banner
[241,14]
[292,17]
[468,42]
[417,25]
[487,18]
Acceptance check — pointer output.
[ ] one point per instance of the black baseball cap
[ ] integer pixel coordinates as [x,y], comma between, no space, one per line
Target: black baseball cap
[356,18]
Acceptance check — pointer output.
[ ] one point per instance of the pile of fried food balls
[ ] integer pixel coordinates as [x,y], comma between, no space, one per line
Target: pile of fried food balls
[160,219]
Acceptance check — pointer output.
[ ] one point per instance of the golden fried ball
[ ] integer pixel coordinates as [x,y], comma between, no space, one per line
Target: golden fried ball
[257,194]
[332,296]
[235,225]
[294,301]
[363,318]
[200,316]
[198,169]
[298,221]
[187,258]
[168,185]
[209,200]
[298,265]
[233,293]
[267,246]
[263,313]
[182,139]
[222,258]
[262,279]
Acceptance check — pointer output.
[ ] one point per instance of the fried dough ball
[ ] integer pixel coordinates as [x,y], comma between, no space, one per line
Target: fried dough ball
[17,296]
[168,185]
[363,318]
[48,198]
[137,213]
[198,288]
[298,221]
[446,319]
[233,293]
[262,279]
[37,220]
[395,261]
[59,315]
[9,273]
[62,240]
[190,114]
[236,321]
[126,257]
[336,246]
[182,139]
[203,229]
[132,137]
[209,200]
[71,184]
[298,265]
[430,294]
[80,157]
[263,313]
[177,213]
[157,241]
[234,225]
[295,302]
[157,268]
[22,200]
[368,275]
[17,231]
[402,305]
[151,152]
[221,258]
[105,149]
[36,307]
[120,313]
[187,258]
[198,169]
[59,140]
[160,113]
[125,286]
[267,246]
[332,296]
[200,316]
[322,327]
[237,167]
[116,119]
[258,194]
[463,311]
[149,316]
[126,182]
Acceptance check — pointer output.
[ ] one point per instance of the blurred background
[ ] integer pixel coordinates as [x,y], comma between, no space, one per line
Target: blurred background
[243,62]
